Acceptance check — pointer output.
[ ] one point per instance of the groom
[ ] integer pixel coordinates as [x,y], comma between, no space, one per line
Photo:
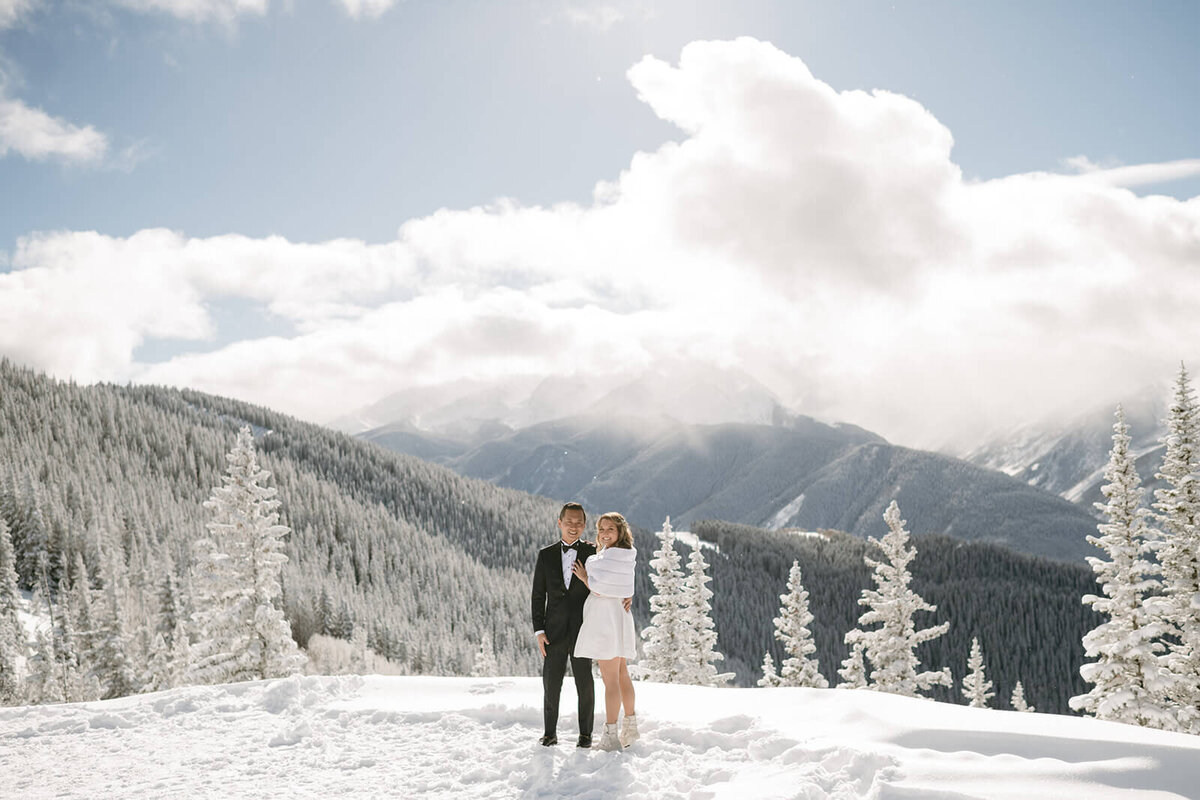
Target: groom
[557,614]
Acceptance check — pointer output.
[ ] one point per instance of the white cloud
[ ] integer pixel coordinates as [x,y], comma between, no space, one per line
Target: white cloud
[221,11]
[600,17]
[824,241]
[11,11]
[1135,174]
[367,9]
[39,136]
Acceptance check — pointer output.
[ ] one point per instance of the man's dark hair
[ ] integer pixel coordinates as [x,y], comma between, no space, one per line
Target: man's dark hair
[572,507]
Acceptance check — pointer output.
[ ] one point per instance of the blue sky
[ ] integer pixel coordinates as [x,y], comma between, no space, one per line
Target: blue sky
[254,119]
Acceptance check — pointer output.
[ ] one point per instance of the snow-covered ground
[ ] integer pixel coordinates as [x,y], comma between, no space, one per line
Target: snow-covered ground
[477,738]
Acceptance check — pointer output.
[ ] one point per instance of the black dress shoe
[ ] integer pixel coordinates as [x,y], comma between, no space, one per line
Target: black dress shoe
[584,740]
[548,741]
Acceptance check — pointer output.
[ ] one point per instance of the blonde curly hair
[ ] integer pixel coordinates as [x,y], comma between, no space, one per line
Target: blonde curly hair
[624,534]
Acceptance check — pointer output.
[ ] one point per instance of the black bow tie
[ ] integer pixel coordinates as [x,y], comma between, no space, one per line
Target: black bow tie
[566,547]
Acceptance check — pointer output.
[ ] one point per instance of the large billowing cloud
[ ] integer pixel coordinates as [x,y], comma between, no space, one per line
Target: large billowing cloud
[824,241]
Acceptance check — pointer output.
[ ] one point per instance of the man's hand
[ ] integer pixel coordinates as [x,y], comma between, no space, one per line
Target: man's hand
[628,603]
[542,642]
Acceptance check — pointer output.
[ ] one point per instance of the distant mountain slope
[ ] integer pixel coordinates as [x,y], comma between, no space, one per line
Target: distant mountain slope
[801,474]
[1068,459]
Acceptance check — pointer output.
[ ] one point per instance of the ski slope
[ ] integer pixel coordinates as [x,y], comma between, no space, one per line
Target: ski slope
[452,738]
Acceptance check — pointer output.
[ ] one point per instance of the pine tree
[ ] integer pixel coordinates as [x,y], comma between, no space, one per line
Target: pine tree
[800,667]
[853,671]
[485,659]
[181,654]
[159,673]
[12,636]
[31,536]
[113,663]
[1018,699]
[86,631]
[77,681]
[170,604]
[699,656]
[976,687]
[665,636]
[891,649]
[1130,683]
[769,676]
[43,684]
[1178,507]
[360,654]
[243,635]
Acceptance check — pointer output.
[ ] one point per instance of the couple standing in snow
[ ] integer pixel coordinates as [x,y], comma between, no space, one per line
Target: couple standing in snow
[582,595]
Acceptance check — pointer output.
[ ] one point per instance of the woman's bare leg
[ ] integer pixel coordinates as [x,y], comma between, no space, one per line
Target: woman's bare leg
[626,683]
[609,673]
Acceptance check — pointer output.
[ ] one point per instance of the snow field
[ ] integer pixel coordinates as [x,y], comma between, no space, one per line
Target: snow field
[431,737]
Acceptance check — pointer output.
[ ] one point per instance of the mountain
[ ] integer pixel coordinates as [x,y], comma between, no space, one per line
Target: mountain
[427,562]
[800,473]
[116,476]
[453,738]
[1068,459]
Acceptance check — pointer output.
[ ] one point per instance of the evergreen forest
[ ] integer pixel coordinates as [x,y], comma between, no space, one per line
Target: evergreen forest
[102,490]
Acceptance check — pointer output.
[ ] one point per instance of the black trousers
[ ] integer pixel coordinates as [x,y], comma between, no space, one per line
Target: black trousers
[554,668]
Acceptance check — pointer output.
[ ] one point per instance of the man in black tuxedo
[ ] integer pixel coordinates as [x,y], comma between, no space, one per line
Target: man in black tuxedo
[558,597]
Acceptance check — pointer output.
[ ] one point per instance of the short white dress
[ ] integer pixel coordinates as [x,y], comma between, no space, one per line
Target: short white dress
[607,630]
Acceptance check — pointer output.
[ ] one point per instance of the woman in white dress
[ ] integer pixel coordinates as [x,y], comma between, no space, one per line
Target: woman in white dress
[607,633]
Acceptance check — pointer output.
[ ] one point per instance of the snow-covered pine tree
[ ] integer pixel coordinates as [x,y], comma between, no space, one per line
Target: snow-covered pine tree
[31,535]
[800,667]
[485,659]
[891,649]
[113,663]
[78,683]
[12,636]
[700,656]
[159,674]
[853,671]
[43,683]
[360,654]
[1178,549]
[1018,699]
[242,634]
[975,686]
[1130,682]
[181,654]
[665,636]
[769,676]
[170,603]
[86,631]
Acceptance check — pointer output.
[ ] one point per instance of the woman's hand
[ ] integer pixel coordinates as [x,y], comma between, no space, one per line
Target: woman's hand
[580,572]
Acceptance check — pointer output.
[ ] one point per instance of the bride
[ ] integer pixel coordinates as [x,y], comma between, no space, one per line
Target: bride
[607,634]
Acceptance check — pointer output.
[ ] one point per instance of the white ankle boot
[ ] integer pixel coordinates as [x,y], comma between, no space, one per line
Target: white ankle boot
[609,740]
[629,731]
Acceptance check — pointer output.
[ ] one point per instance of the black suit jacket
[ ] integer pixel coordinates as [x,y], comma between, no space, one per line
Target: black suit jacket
[558,608]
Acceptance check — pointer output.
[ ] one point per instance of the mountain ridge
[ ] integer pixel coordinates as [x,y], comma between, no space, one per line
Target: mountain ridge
[797,473]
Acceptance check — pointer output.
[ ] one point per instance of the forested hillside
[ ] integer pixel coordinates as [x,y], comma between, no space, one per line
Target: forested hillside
[425,559]
[1026,611]
[429,561]
[799,473]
